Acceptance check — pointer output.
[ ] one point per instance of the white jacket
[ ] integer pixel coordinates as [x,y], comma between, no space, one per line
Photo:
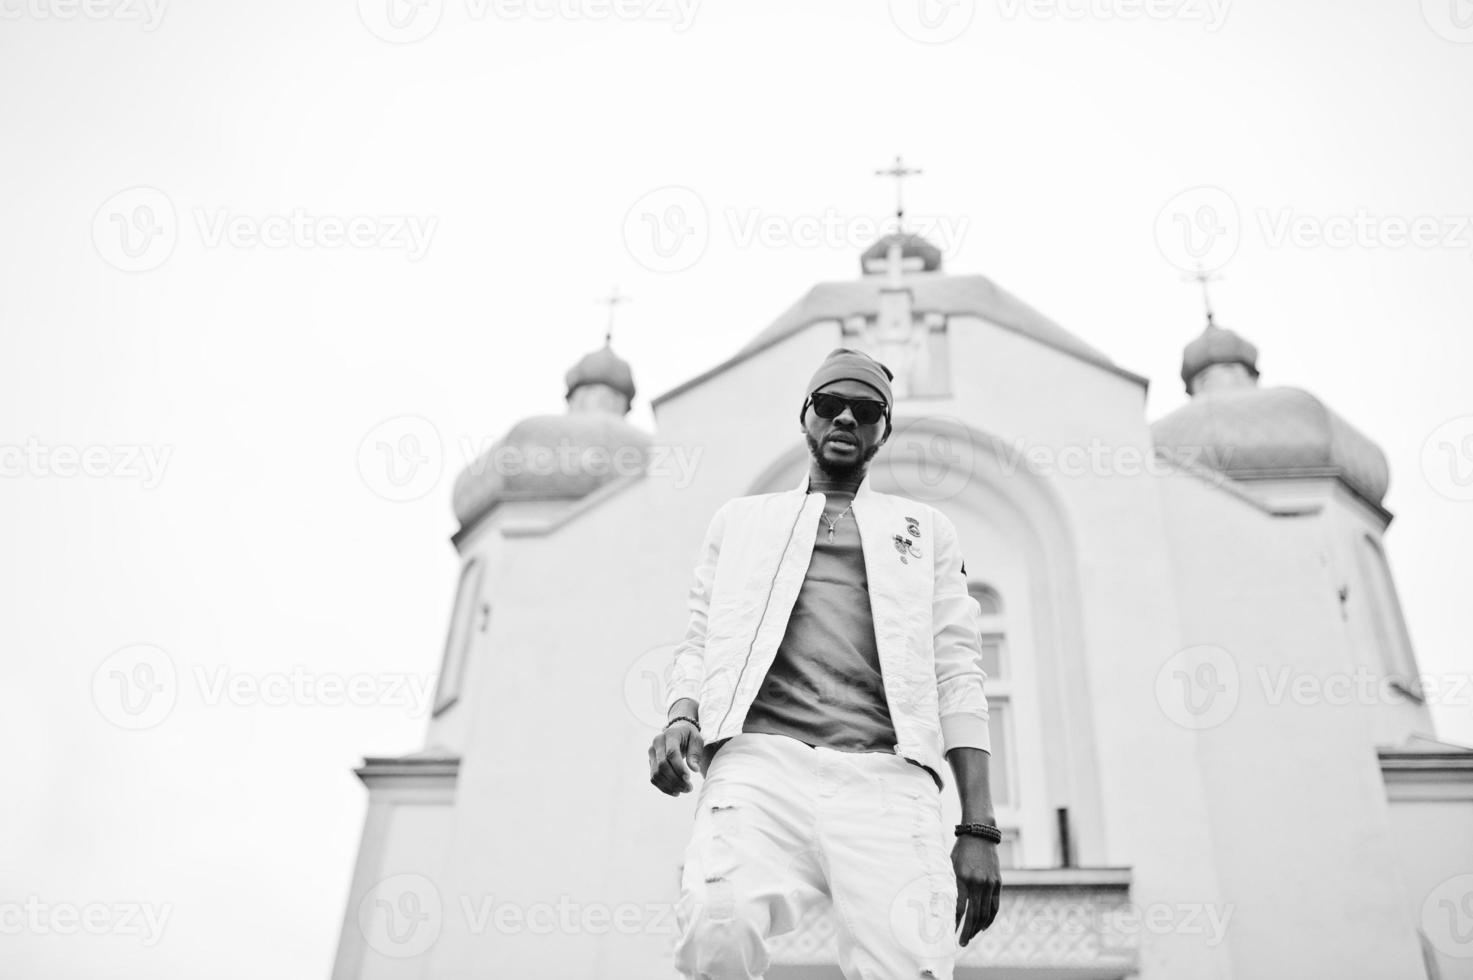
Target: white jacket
[927,627]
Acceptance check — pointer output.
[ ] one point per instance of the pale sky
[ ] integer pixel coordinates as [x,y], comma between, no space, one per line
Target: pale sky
[484,172]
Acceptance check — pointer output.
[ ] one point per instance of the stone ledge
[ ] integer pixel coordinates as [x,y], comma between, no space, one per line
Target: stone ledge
[418,766]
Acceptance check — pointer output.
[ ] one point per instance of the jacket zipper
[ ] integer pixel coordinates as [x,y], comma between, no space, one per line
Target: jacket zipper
[771,586]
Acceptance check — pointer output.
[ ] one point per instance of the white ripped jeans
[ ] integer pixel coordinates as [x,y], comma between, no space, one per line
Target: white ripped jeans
[780,826]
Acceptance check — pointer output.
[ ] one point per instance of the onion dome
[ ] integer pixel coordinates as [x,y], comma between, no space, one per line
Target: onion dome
[1267,433]
[1250,433]
[561,457]
[1216,346]
[603,367]
[916,254]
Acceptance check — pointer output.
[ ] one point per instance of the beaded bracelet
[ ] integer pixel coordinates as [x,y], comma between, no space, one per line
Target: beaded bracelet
[682,718]
[985,830]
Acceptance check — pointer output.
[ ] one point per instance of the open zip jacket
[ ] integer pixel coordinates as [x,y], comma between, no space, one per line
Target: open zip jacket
[927,627]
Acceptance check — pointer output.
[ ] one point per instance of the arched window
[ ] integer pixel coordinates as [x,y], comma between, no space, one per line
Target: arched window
[1388,626]
[987,598]
[458,640]
[999,686]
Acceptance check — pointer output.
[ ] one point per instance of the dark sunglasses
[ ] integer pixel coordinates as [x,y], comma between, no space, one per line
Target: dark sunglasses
[866,411]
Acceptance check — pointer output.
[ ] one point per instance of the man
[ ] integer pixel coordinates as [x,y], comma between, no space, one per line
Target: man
[833,654]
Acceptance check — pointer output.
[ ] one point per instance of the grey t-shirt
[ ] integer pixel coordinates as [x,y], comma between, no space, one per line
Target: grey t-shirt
[824,686]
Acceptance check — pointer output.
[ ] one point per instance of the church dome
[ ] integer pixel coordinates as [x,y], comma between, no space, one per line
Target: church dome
[1213,346]
[551,457]
[916,254]
[1253,433]
[561,457]
[1250,433]
[603,367]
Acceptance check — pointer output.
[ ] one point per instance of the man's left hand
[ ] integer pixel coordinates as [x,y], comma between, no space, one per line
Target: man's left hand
[978,884]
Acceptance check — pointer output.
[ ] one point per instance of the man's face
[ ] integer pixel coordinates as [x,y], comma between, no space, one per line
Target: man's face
[841,445]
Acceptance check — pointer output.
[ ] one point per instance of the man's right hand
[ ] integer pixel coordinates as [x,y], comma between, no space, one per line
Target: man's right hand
[674,754]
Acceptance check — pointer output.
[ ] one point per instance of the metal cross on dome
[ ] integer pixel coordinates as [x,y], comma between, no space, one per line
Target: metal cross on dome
[899,171]
[612,301]
[1203,277]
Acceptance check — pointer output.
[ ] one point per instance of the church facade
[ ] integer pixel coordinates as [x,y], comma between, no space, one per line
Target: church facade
[1212,755]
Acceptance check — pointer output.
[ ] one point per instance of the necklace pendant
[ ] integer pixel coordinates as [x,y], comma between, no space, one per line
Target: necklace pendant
[831,532]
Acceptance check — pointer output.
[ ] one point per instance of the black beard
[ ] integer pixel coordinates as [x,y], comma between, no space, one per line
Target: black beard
[839,471]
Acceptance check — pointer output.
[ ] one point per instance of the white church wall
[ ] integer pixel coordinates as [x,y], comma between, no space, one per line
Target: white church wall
[1094,450]
[557,829]
[395,904]
[1299,826]
[1371,614]
[467,643]
[486,544]
[1432,827]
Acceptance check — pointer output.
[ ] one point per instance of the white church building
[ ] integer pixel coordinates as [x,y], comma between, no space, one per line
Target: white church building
[1212,757]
